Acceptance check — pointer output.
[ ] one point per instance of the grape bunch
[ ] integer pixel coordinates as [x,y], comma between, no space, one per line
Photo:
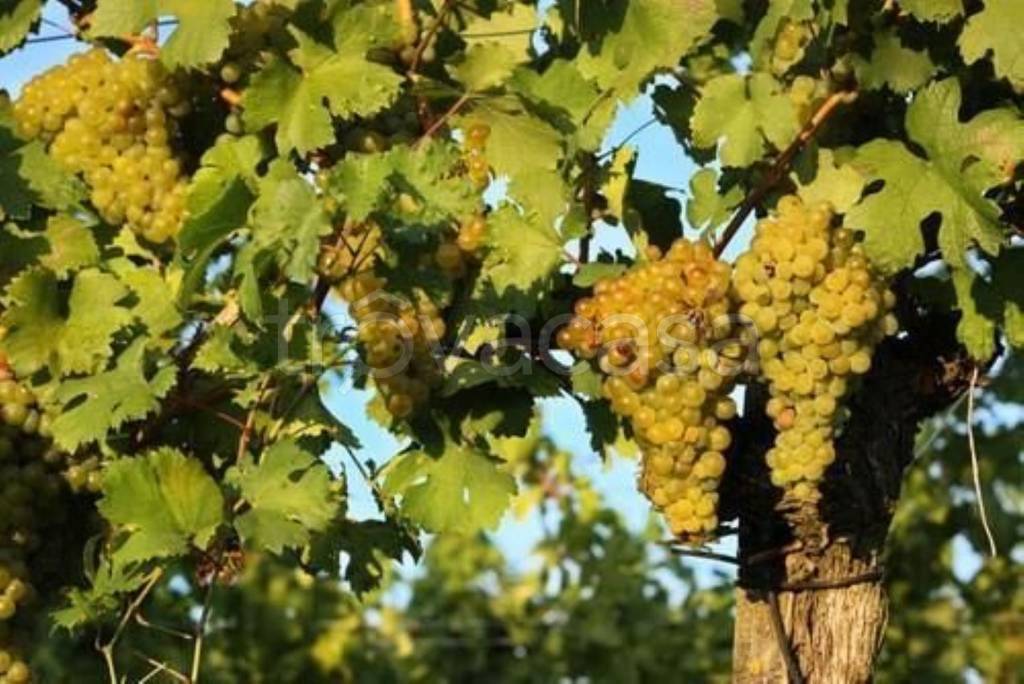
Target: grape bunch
[397,335]
[662,336]
[819,310]
[806,94]
[31,506]
[353,252]
[456,253]
[475,156]
[790,42]
[114,122]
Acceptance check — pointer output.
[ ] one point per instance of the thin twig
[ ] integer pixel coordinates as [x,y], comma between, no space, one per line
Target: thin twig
[824,584]
[974,464]
[108,649]
[769,554]
[785,647]
[699,553]
[632,134]
[588,208]
[443,119]
[435,26]
[250,421]
[200,631]
[144,622]
[159,667]
[781,165]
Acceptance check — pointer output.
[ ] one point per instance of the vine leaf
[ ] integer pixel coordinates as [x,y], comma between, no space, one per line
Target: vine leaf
[200,37]
[510,27]
[102,597]
[743,113]
[486,66]
[102,403]
[368,544]
[989,304]
[523,254]
[834,181]
[940,11]
[994,31]
[900,68]
[291,496]
[521,145]
[651,34]
[17,17]
[360,181]
[292,93]
[153,308]
[163,501]
[708,207]
[72,246]
[288,221]
[221,192]
[963,161]
[42,335]
[461,491]
[28,176]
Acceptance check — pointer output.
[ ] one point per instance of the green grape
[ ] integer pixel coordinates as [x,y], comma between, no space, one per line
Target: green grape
[839,312]
[230,73]
[233,124]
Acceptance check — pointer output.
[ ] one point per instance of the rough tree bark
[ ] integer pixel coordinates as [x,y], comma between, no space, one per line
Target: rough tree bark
[822,569]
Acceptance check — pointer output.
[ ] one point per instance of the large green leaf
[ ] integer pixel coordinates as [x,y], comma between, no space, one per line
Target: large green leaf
[163,501]
[290,497]
[292,94]
[96,405]
[994,31]
[17,17]
[66,335]
[461,491]
[199,38]
[523,254]
[634,38]
[288,221]
[741,114]
[964,160]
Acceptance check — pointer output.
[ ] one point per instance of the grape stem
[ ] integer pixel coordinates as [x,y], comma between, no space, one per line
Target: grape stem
[785,647]
[974,465]
[107,649]
[442,120]
[782,164]
[435,26]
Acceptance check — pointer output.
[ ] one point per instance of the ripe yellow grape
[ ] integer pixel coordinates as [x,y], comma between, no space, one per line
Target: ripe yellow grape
[838,310]
[652,332]
[114,122]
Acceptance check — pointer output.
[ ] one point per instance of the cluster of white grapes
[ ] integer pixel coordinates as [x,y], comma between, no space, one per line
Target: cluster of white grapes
[30,502]
[398,335]
[820,311]
[662,335]
[114,122]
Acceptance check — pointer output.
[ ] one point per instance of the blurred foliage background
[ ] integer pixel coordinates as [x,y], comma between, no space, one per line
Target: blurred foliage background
[598,602]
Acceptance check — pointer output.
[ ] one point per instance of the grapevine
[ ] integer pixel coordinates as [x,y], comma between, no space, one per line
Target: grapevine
[662,336]
[819,311]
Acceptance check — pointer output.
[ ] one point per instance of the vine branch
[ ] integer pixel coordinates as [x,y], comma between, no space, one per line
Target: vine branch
[974,464]
[786,648]
[782,164]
